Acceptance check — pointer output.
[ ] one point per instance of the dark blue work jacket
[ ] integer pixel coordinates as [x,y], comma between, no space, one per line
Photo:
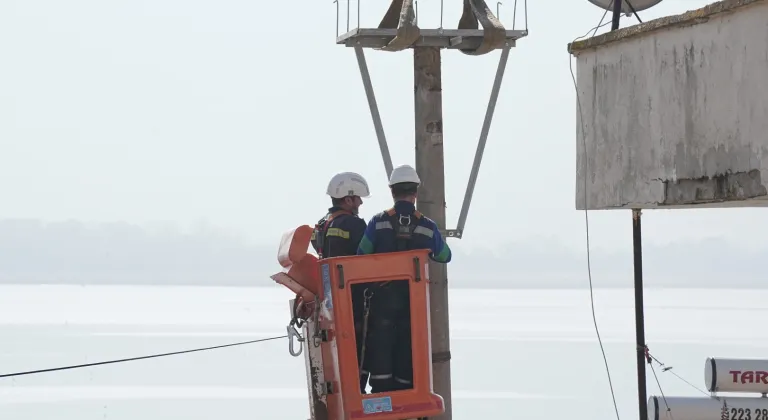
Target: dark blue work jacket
[338,233]
[403,228]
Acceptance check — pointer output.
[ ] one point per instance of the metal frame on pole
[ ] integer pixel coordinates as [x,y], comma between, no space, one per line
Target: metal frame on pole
[486,128]
[459,231]
[377,125]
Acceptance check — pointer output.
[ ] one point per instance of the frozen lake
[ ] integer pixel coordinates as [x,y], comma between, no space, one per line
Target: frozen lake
[516,353]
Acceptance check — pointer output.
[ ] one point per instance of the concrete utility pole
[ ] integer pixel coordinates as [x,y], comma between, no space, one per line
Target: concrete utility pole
[428,108]
[399,31]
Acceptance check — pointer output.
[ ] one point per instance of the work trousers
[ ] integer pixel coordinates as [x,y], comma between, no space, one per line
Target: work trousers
[357,313]
[389,338]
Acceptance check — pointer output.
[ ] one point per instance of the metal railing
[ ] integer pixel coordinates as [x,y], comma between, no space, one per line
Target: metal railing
[349,12]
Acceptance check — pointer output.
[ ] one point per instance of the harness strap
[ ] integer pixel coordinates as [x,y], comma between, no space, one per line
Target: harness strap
[403,226]
[320,232]
[367,295]
[392,212]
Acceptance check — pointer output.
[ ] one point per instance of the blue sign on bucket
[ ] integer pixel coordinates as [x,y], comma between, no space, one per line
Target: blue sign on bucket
[377,405]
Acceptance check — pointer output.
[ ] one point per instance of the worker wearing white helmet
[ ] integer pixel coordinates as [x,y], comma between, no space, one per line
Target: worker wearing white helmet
[339,233]
[400,228]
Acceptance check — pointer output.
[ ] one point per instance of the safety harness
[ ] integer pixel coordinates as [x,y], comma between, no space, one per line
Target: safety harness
[401,224]
[322,231]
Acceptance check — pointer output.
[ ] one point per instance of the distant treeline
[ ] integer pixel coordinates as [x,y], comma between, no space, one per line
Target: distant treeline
[119,253]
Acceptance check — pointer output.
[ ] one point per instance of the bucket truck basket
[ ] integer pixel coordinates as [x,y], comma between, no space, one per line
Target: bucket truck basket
[324,298]
[343,277]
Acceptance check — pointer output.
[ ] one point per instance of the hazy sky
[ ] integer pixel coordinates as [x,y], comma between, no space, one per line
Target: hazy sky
[209,111]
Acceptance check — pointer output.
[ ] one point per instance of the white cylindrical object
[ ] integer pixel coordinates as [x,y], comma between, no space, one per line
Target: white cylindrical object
[736,375]
[707,408]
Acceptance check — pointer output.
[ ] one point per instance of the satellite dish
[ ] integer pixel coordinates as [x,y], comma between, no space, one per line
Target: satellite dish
[637,4]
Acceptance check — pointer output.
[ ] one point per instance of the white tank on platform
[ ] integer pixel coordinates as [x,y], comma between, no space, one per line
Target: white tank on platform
[736,375]
[707,408]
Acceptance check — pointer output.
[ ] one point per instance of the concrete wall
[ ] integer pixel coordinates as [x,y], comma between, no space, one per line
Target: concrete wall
[675,111]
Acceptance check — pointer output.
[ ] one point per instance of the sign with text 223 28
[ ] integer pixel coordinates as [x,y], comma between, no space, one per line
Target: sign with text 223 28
[747,413]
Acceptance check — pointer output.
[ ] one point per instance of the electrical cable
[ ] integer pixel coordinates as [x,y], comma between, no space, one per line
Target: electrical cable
[665,368]
[586,215]
[108,362]
[658,383]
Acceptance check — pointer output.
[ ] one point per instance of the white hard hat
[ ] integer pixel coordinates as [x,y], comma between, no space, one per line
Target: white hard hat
[348,183]
[404,173]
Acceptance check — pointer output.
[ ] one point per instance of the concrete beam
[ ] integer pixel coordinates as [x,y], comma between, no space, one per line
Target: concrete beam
[675,111]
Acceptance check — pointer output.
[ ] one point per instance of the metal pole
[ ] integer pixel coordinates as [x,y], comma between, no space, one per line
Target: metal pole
[483,138]
[637,247]
[369,95]
[428,110]
[616,14]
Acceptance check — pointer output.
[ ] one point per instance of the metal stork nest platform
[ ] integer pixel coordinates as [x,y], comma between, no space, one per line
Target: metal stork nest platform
[456,39]
[399,29]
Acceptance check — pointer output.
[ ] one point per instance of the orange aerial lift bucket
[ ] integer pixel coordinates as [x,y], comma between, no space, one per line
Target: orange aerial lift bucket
[300,273]
[332,365]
